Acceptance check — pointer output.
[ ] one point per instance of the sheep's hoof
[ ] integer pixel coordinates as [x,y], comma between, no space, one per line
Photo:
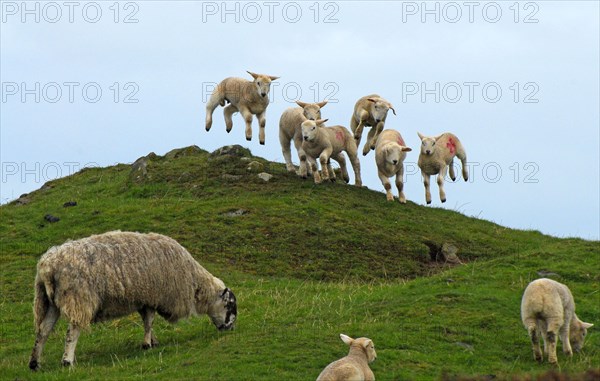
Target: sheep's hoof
[207,129]
[428,202]
[146,346]
[248,138]
[333,180]
[443,200]
[34,365]
[66,363]
[262,143]
[453,178]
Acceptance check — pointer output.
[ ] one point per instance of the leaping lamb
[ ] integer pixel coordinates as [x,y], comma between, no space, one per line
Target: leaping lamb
[110,275]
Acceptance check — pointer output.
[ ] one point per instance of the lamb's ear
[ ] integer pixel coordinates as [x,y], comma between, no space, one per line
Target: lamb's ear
[322,104]
[254,75]
[406,149]
[372,100]
[346,339]
[320,122]
[392,108]
[421,136]
[586,325]
[437,137]
[366,343]
[273,77]
[301,104]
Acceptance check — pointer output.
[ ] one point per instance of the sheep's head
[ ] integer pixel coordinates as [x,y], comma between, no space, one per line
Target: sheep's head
[262,83]
[363,343]
[578,331]
[380,108]
[223,310]
[394,153]
[310,129]
[311,111]
[427,144]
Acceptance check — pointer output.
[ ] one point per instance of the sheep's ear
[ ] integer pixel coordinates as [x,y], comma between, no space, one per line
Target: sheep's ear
[406,149]
[322,104]
[421,136]
[321,121]
[301,104]
[366,343]
[346,339]
[586,325]
[392,108]
[273,77]
[254,75]
[437,137]
[372,100]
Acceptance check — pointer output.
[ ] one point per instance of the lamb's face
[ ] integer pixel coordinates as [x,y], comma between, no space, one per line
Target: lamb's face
[262,83]
[427,146]
[309,130]
[312,112]
[577,334]
[223,311]
[369,348]
[380,108]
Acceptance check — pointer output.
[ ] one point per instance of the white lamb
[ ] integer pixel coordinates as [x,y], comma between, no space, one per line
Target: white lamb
[371,111]
[290,127]
[326,143]
[437,153]
[390,152]
[548,309]
[355,366]
[247,97]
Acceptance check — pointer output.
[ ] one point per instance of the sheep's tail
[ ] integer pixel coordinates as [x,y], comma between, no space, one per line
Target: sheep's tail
[41,302]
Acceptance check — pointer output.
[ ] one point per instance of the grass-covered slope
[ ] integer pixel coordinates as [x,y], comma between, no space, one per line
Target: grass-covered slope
[306,262]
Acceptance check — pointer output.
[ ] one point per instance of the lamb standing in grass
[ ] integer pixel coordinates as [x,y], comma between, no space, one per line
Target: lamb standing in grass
[390,152]
[548,309]
[371,111]
[114,274]
[326,143]
[355,366]
[437,153]
[247,97]
[290,127]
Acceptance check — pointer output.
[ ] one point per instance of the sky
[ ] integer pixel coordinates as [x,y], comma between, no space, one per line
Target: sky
[99,83]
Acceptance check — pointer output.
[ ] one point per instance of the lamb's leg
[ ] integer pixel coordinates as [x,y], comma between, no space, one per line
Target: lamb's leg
[248,119]
[400,184]
[262,121]
[228,111]
[462,155]
[303,170]
[357,127]
[534,332]
[303,162]
[315,171]
[553,328]
[440,181]
[564,337]
[324,159]
[341,159]
[287,152]
[427,191]
[43,331]
[214,100]
[386,185]
[451,170]
[70,344]
[147,314]
[330,170]
[370,142]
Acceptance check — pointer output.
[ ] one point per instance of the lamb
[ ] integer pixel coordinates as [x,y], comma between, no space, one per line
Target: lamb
[249,98]
[437,153]
[290,128]
[390,152]
[110,275]
[548,309]
[355,366]
[326,143]
[371,111]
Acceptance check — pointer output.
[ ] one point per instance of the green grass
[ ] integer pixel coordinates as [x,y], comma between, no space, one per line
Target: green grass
[306,263]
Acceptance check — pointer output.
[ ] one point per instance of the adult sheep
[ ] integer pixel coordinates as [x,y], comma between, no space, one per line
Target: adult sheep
[371,111]
[110,275]
[247,97]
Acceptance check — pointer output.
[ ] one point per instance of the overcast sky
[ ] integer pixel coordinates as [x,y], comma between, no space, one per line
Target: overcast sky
[94,83]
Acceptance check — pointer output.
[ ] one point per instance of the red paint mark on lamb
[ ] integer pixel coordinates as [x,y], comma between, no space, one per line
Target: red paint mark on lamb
[451,145]
[400,141]
[339,135]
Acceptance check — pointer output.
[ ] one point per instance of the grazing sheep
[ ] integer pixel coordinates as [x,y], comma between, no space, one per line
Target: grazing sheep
[390,152]
[249,98]
[355,366]
[548,309]
[326,143]
[116,273]
[290,128]
[370,111]
[437,153]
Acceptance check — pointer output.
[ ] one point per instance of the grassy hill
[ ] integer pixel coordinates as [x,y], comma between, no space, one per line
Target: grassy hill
[306,263]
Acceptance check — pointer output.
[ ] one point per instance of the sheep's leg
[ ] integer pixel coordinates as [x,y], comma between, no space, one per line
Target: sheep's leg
[386,185]
[303,170]
[355,165]
[451,170]
[43,331]
[148,318]
[341,159]
[287,152]
[553,328]
[370,142]
[378,130]
[214,100]
[357,128]
[440,181]
[248,119]
[228,111]
[303,163]
[330,170]
[70,344]
[315,171]
[324,158]
[262,121]
[534,335]
[564,337]
[400,184]
[462,155]
[427,191]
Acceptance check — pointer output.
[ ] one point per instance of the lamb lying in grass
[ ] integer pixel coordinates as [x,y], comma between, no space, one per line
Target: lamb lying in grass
[326,143]
[390,152]
[548,310]
[247,97]
[355,366]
